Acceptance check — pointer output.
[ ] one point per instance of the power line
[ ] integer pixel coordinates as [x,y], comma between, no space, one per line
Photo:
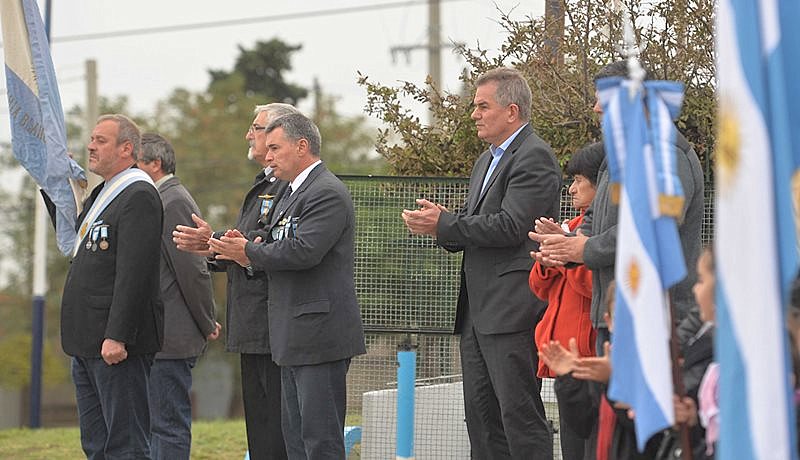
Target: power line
[234,22]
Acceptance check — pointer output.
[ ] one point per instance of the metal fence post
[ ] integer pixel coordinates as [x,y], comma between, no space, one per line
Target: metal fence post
[406,376]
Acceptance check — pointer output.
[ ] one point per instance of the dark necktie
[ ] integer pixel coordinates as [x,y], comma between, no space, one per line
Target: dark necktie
[284,200]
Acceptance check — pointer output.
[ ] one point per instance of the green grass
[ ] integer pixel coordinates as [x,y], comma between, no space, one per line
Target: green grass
[218,440]
[222,440]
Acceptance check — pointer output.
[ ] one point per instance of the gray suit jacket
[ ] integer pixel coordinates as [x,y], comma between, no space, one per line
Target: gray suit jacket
[492,230]
[189,310]
[308,256]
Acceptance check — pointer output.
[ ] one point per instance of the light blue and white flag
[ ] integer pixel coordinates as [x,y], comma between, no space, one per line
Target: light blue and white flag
[614,136]
[38,134]
[758,49]
[649,255]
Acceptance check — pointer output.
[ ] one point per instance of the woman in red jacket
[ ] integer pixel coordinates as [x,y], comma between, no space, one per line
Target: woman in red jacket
[569,290]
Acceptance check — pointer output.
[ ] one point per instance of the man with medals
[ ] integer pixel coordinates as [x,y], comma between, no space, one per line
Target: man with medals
[111,311]
[247,294]
[189,309]
[314,318]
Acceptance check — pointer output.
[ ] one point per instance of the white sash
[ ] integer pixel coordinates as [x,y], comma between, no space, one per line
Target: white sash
[112,188]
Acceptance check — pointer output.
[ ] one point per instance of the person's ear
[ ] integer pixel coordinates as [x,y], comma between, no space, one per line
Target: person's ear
[513,112]
[302,146]
[127,149]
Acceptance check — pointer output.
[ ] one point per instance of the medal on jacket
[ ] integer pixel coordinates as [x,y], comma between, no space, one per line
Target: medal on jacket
[266,205]
[103,244]
[279,231]
[95,235]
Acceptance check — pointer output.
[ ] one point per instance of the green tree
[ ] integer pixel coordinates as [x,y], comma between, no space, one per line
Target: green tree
[346,143]
[677,44]
[16,298]
[263,69]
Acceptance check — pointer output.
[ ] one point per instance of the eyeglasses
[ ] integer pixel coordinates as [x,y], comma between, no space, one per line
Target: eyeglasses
[255,128]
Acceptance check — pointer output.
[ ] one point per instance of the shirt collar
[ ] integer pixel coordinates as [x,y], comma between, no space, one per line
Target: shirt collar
[497,151]
[163,179]
[298,181]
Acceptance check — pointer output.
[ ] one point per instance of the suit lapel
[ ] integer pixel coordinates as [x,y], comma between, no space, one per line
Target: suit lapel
[87,204]
[286,202]
[504,160]
[260,179]
[475,186]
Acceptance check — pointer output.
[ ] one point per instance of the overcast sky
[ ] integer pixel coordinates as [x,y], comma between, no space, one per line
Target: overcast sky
[148,67]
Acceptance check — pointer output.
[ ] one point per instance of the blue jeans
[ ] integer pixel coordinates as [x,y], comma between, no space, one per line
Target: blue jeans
[171,408]
[112,407]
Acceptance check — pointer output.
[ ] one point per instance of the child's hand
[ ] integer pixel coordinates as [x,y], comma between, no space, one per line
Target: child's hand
[685,410]
[559,359]
[597,369]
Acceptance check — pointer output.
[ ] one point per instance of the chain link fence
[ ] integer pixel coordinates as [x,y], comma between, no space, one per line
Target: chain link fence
[408,287]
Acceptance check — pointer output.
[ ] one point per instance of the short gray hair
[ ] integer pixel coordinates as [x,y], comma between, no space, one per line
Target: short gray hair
[128,131]
[275,110]
[295,127]
[156,147]
[512,88]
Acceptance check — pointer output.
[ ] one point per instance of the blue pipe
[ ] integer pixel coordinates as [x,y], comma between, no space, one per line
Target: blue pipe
[406,375]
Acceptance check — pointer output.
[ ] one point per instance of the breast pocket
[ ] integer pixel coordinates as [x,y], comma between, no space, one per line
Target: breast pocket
[514,265]
[310,308]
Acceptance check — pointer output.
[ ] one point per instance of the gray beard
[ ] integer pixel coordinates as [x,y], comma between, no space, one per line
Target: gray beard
[250,154]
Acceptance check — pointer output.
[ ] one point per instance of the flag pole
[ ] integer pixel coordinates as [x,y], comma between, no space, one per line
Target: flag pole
[630,51]
[39,287]
[677,379]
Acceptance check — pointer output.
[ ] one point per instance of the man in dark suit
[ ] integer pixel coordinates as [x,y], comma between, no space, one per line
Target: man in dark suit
[189,310]
[515,181]
[314,320]
[111,313]
[247,294]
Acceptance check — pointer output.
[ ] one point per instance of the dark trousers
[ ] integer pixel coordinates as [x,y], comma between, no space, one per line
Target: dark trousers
[171,408]
[314,406]
[573,445]
[261,394]
[503,407]
[113,409]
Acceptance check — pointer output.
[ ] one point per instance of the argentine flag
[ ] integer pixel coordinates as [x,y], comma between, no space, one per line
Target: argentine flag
[756,255]
[649,255]
[38,135]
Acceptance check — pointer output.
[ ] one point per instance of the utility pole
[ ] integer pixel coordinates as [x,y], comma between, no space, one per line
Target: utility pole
[434,43]
[433,47]
[92,112]
[554,30]
[318,105]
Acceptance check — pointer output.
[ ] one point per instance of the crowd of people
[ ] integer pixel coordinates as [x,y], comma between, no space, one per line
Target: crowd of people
[135,328]
[535,300]
[509,232]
